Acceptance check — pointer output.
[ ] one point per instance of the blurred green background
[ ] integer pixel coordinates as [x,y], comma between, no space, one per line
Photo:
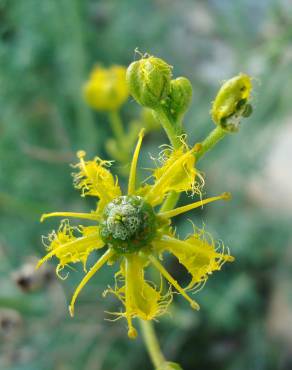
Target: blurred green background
[46,52]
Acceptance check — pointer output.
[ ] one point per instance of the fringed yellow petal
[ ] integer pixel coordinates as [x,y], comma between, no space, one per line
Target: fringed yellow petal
[142,299]
[71,249]
[177,173]
[96,180]
[199,256]
[103,259]
[139,297]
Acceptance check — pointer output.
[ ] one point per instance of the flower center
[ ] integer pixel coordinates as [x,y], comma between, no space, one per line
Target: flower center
[128,224]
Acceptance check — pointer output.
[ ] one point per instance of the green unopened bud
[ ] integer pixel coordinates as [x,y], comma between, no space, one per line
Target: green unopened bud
[180,96]
[149,81]
[232,103]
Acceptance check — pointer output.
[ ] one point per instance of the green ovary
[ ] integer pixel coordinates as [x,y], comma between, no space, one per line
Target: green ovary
[128,224]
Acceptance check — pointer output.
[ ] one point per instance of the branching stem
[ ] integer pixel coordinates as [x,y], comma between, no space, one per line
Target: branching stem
[174,131]
[211,140]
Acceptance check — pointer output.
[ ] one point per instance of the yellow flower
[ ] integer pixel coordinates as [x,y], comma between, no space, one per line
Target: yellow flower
[106,89]
[135,234]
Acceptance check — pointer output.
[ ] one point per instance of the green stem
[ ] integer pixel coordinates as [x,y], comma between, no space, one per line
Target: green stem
[172,129]
[152,344]
[211,140]
[170,201]
[117,126]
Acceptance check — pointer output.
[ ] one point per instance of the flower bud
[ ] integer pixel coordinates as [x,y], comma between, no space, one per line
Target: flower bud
[149,81]
[106,89]
[232,103]
[180,96]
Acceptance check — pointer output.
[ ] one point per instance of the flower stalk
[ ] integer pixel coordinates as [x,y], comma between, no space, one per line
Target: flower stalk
[117,126]
[152,344]
[173,130]
[211,140]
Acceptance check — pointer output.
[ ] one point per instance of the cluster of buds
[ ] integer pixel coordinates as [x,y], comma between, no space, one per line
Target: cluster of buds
[151,84]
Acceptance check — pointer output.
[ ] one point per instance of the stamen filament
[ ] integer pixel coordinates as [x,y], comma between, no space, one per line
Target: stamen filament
[103,259]
[132,332]
[173,282]
[133,170]
[87,216]
[188,207]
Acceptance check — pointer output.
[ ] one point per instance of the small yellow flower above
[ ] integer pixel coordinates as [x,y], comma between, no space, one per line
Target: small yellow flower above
[135,234]
[106,89]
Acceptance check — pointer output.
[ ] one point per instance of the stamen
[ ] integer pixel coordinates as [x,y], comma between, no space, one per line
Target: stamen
[103,259]
[80,155]
[87,216]
[173,282]
[132,332]
[133,170]
[200,203]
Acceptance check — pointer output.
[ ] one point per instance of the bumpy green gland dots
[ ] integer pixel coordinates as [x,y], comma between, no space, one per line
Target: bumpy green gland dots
[149,81]
[232,103]
[128,224]
[180,96]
